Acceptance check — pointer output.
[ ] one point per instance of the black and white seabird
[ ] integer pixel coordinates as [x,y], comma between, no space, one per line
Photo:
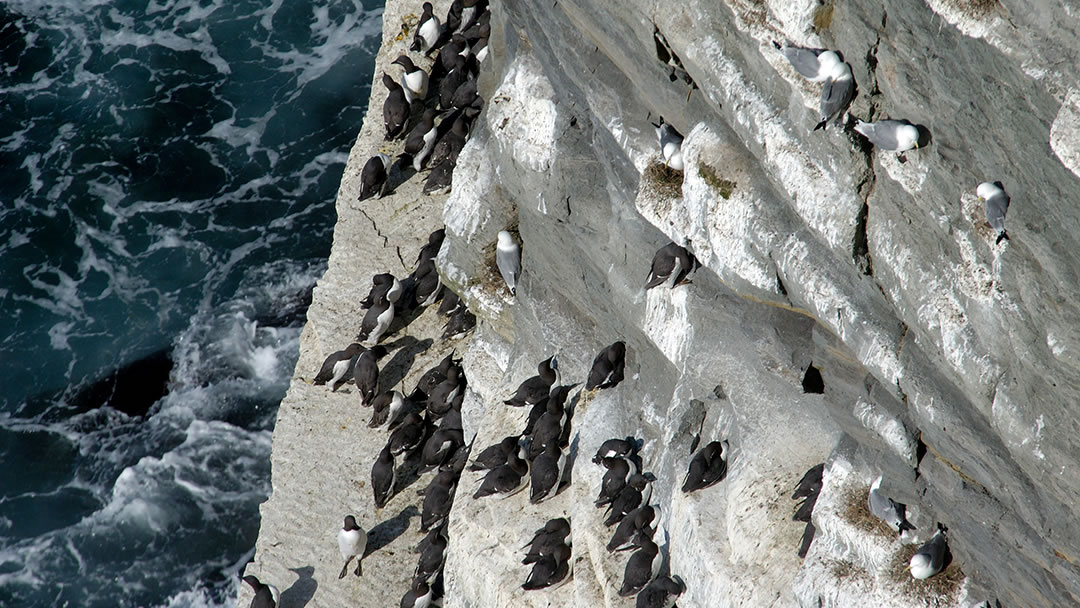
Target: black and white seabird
[457,76]
[546,473]
[426,284]
[670,265]
[432,557]
[386,407]
[383,475]
[420,596]
[421,140]
[997,205]
[507,479]
[431,249]
[466,96]
[632,528]
[887,509]
[373,176]
[440,179]
[460,322]
[408,436]
[382,284]
[366,374]
[376,321]
[352,540]
[550,570]
[463,14]
[449,147]
[618,473]
[508,259]
[535,388]
[428,31]
[451,303]
[441,398]
[495,455]
[670,144]
[660,593]
[615,448]
[440,447]
[707,467]
[637,492]
[930,558]
[555,532]
[607,368]
[549,428]
[266,595]
[891,135]
[395,108]
[438,498]
[642,567]
[414,80]
[337,368]
[435,376]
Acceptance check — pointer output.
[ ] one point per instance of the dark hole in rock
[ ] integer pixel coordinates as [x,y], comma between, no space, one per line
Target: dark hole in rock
[812,381]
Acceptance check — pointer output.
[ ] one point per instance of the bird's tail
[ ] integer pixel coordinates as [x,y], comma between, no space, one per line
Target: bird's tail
[1003,236]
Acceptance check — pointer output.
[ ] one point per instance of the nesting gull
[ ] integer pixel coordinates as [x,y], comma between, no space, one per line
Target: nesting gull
[997,205]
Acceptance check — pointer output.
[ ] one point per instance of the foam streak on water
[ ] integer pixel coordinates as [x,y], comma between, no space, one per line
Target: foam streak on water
[167,177]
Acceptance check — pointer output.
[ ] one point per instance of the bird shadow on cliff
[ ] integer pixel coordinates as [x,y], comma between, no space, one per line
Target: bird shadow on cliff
[388,531]
[406,349]
[301,591]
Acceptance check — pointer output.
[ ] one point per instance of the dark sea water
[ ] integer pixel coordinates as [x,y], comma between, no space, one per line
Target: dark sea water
[167,178]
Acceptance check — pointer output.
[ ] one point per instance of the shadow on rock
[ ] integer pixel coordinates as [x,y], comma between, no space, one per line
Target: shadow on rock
[301,591]
[407,348]
[386,532]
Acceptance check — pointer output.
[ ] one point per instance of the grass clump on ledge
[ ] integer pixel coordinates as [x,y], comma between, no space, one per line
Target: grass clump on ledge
[723,186]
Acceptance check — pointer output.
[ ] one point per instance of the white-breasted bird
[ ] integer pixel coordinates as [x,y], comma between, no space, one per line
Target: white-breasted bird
[997,205]
[508,259]
[352,540]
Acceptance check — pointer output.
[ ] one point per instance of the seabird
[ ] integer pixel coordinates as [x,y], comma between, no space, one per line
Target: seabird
[439,447]
[670,144]
[808,488]
[637,492]
[426,283]
[337,369]
[454,79]
[431,249]
[457,460]
[546,539]
[614,448]
[373,176]
[607,368]
[266,595]
[434,376]
[891,135]
[642,567]
[838,90]
[660,593]
[619,471]
[887,509]
[386,407]
[549,428]
[463,14]
[507,479]
[535,388]
[395,108]
[421,140]
[419,596]
[997,205]
[495,455]
[449,147]
[632,528]
[546,473]
[428,30]
[460,322]
[930,557]
[480,46]
[451,303]
[448,55]
[382,284]
[807,537]
[508,259]
[440,178]
[466,96]
[432,558]
[414,80]
[408,436]
[809,62]
[438,498]
[557,398]
[549,570]
[670,265]
[376,321]
[707,467]
[442,396]
[366,374]
[352,540]
[383,476]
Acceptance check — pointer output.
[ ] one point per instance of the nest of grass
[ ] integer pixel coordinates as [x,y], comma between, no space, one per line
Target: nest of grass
[856,512]
[938,590]
[724,187]
[976,9]
[661,181]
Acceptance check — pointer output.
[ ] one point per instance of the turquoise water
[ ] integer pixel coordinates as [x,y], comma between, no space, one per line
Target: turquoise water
[167,178]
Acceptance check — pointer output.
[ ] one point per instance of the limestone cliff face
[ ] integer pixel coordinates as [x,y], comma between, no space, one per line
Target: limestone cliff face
[950,363]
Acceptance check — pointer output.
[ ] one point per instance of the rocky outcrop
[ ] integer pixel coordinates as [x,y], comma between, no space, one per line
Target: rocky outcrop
[949,362]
